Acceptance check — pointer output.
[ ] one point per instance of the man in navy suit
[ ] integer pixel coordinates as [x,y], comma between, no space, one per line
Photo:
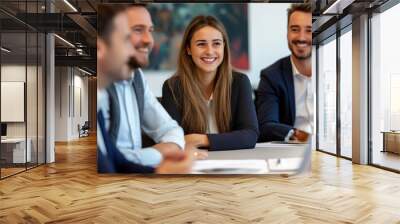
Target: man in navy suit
[285,107]
[114,53]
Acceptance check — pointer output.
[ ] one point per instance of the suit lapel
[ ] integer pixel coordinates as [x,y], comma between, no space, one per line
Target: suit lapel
[105,163]
[288,74]
[114,112]
[138,87]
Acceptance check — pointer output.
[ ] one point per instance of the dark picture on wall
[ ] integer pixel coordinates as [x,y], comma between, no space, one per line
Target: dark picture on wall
[170,21]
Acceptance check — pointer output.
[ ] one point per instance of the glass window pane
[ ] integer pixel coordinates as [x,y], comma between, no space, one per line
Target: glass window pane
[41,98]
[14,153]
[346,94]
[23,85]
[327,97]
[385,86]
[31,96]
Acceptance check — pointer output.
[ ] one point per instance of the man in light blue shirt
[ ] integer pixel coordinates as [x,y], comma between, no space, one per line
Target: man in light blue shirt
[132,107]
[114,50]
[153,121]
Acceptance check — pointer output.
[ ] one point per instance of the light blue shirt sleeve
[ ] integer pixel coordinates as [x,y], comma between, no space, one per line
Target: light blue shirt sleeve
[145,156]
[157,123]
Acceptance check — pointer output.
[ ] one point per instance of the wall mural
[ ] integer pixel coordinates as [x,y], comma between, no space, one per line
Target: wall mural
[170,21]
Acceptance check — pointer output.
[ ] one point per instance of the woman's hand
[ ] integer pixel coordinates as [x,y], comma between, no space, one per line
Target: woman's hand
[197,140]
[200,154]
[194,141]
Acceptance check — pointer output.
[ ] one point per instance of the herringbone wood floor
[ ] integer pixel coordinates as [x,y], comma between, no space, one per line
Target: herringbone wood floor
[70,191]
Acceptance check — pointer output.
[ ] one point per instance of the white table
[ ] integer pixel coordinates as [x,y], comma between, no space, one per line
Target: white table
[260,152]
[18,151]
[288,156]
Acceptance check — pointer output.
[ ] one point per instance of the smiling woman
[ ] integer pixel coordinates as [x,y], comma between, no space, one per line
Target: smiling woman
[207,51]
[211,102]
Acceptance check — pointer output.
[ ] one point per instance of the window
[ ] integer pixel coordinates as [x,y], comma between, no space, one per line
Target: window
[346,94]
[22,77]
[385,89]
[327,97]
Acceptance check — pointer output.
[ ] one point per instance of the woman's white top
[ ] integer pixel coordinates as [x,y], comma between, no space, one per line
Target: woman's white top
[212,127]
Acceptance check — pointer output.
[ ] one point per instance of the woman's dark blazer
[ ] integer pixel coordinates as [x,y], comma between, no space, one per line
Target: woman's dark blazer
[244,126]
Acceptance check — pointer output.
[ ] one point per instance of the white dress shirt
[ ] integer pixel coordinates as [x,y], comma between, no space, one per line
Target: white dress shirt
[101,100]
[212,127]
[156,123]
[304,100]
[304,94]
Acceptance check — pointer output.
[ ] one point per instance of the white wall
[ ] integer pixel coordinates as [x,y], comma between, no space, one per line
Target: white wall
[314,71]
[71,87]
[267,43]
[17,73]
[80,83]
[33,126]
[14,73]
[61,103]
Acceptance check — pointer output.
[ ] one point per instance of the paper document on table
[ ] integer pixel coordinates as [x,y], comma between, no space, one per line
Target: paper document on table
[284,164]
[230,167]
[278,145]
[288,142]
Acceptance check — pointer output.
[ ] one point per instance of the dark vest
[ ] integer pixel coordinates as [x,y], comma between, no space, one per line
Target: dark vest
[104,164]
[115,112]
[115,161]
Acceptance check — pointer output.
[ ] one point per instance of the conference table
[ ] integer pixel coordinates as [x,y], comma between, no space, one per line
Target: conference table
[264,158]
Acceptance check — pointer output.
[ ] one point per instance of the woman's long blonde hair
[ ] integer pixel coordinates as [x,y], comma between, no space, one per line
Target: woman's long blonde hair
[194,108]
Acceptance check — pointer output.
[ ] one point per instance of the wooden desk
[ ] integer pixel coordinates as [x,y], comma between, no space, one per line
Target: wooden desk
[391,141]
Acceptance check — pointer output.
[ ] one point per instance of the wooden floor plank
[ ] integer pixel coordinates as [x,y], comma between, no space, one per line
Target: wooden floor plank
[70,191]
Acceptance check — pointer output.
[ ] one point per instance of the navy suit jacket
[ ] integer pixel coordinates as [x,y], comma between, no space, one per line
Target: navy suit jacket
[114,161]
[276,108]
[244,127]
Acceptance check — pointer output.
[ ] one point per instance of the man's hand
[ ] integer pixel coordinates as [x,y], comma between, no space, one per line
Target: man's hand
[177,163]
[300,135]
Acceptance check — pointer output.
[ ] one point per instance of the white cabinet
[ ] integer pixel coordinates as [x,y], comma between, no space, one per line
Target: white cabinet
[17,147]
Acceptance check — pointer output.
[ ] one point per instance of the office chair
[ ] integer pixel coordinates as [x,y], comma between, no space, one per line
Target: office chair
[84,130]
